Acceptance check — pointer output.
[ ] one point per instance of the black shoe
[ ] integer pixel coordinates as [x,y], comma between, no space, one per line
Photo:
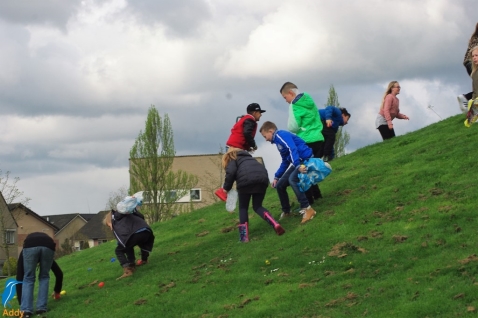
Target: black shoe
[41,312]
[27,314]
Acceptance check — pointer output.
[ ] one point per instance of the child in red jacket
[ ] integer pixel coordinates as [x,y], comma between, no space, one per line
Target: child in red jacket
[244,131]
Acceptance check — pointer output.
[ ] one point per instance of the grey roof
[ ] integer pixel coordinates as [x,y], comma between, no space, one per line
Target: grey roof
[14,206]
[60,220]
[87,216]
[95,229]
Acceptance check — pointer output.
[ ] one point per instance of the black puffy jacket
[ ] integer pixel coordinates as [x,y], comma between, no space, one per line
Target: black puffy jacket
[125,225]
[250,175]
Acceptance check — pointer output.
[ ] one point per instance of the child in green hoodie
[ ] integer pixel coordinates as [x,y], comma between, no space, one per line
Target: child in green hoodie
[304,121]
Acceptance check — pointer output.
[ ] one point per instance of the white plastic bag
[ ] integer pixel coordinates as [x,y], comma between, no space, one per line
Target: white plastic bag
[231,200]
[127,205]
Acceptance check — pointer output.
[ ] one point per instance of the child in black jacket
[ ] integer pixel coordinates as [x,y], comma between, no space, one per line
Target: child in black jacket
[130,230]
[251,181]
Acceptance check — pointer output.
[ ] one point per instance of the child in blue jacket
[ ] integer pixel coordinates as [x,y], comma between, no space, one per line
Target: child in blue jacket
[293,151]
[332,118]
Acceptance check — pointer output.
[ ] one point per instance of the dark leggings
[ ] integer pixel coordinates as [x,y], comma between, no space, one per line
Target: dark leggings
[244,199]
[468,67]
[318,151]
[386,132]
[125,254]
[329,141]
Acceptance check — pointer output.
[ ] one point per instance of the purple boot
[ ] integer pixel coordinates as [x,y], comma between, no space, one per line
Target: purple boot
[243,232]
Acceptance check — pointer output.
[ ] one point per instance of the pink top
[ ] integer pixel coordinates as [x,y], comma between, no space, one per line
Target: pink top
[391,109]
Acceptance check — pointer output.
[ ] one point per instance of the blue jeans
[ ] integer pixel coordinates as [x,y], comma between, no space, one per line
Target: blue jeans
[290,178]
[31,257]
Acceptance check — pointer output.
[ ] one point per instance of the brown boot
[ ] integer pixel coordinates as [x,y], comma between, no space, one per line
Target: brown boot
[308,214]
[127,271]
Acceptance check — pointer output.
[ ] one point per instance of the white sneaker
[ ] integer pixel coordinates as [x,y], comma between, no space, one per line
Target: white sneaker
[462,103]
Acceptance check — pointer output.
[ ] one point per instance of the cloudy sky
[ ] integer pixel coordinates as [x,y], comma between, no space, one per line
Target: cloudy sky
[77,77]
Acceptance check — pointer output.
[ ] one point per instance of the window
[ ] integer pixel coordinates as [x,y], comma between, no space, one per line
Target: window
[10,236]
[194,195]
[102,241]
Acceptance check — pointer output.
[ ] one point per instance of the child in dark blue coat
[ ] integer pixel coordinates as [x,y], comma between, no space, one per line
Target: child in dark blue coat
[251,182]
[332,118]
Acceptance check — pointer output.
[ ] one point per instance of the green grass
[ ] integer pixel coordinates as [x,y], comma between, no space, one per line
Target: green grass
[394,236]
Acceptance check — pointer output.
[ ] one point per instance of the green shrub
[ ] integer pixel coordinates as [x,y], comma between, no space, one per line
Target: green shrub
[13,267]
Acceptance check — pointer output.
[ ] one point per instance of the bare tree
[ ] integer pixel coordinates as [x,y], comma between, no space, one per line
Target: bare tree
[212,182]
[151,161]
[342,138]
[9,193]
[115,197]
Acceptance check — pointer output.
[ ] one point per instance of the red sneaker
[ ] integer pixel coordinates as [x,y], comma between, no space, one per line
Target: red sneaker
[141,262]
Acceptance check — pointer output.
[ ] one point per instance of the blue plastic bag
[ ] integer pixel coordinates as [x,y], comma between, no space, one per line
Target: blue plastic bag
[317,170]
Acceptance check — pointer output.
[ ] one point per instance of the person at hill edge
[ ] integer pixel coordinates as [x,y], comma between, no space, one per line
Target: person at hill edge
[252,181]
[332,118]
[294,152]
[467,63]
[474,72]
[304,121]
[389,110]
[472,114]
[244,130]
[130,230]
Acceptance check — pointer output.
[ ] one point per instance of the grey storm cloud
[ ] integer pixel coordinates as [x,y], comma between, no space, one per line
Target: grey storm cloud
[180,17]
[52,12]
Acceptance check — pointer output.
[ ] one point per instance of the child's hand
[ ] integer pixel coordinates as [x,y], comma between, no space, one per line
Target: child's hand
[303,169]
[274,183]
[329,122]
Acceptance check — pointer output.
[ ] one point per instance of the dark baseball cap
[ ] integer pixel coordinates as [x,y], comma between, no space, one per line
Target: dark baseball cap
[254,107]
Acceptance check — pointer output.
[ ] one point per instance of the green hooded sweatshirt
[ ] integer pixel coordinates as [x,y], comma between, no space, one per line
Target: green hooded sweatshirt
[304,119]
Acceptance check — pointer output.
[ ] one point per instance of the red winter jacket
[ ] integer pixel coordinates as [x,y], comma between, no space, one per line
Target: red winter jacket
[243,133]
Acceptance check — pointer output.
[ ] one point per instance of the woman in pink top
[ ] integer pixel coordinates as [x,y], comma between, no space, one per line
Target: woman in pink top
[388,111]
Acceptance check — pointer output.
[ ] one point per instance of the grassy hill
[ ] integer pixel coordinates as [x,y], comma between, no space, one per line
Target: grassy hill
[395,236]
